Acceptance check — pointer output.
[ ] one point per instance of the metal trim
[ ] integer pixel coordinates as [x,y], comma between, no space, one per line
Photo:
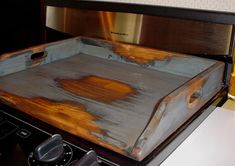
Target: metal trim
[192,14]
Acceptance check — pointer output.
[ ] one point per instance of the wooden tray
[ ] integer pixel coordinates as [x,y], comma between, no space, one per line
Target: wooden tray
[123,97]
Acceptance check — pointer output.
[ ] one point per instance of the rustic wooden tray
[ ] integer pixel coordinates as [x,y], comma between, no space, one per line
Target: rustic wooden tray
[123,97]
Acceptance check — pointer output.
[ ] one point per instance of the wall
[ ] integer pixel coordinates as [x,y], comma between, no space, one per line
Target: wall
[215,5]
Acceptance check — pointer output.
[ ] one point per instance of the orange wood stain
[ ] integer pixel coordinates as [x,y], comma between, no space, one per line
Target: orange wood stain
[66,115]
[232,82]
[232,85]
[97,88]
[232,78]
[142,55]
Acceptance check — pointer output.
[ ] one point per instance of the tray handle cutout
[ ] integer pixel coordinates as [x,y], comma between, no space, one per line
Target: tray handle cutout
[194,98]
[38,55]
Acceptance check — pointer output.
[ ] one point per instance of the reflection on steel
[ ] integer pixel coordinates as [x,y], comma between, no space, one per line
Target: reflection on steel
[178,35]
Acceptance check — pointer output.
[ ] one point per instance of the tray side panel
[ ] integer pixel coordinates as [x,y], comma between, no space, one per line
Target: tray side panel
[170,62]
[48,53]
[173,110]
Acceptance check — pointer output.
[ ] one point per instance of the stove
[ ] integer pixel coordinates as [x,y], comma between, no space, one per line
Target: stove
[23,144]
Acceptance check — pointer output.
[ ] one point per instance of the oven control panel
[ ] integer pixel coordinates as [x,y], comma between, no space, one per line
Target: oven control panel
[23,144]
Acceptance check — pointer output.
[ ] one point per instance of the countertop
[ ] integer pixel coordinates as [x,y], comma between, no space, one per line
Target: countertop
[212,143]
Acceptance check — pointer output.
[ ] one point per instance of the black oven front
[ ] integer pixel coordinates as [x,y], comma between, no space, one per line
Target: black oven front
[22,144]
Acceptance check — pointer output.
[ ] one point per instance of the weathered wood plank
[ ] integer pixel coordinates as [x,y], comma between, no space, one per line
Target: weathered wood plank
[122,119]
[97,88]
[175,63]
[170,62]
[95,93]
[142,55]
[22,60]
[66,115]
[177,107]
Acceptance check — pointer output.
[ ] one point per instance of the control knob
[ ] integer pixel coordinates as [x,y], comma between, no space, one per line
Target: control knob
[52,151]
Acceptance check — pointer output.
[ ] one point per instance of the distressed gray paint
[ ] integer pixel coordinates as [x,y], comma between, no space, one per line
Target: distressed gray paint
[131,123]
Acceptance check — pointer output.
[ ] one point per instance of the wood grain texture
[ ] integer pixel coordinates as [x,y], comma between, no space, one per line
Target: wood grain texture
[232,78]
[22,60]
[142,55]
[232,85]
[170,62]
[66,115]
[97,88]
[112,102]
[122,120]
[34,49]
[168,110]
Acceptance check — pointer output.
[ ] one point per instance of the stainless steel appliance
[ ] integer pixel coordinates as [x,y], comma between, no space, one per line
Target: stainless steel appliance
[174,34]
